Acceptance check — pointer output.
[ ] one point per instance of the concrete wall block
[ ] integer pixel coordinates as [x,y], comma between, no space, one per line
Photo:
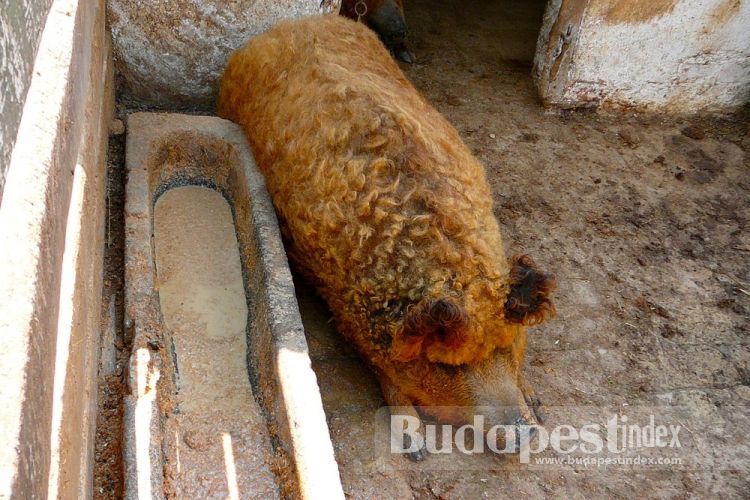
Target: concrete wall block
[676,55]
[21,24]
[51,220]
[170,53]
[75,394]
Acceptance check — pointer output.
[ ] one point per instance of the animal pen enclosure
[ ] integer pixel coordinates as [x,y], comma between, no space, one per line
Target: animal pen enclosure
[616,149]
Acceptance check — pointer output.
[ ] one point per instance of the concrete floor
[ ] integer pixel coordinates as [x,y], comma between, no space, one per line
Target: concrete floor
[644,220]
[642,217]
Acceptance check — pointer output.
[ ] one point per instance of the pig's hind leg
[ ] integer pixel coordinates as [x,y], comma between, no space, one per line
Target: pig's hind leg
[401,405]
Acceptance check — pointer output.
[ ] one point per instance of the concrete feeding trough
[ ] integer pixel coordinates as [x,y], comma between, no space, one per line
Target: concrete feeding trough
[222,399]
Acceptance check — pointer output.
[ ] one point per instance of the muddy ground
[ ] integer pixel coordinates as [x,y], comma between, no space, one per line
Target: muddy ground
[108,470]
[643,218]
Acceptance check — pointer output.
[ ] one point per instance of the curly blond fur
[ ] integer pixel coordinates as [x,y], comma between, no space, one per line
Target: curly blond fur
[383,207]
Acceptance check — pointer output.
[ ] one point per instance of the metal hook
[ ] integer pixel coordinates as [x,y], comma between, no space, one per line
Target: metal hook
[360,8]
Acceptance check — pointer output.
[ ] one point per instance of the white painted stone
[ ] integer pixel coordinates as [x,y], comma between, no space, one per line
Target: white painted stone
[21,23]
[51,236]
[690,57]
[171,53]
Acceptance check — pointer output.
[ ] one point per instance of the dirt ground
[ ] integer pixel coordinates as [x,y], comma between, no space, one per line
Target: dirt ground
[108,469]
[643,218]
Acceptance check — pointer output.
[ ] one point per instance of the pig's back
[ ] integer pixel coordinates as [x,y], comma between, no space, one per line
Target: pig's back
[378,197]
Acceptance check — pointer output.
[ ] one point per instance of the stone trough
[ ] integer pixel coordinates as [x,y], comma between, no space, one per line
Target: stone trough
[222,399]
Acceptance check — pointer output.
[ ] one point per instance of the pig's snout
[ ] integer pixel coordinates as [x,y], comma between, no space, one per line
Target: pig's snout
[515,435]
[507,403]
[525,432]
[388,21]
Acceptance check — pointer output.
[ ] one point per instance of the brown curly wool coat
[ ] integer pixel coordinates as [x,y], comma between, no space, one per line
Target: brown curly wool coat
[383,207]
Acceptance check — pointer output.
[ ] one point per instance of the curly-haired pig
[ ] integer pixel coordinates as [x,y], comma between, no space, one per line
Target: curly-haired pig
[387,213]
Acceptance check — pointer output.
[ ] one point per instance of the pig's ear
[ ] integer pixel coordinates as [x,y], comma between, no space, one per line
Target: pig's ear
[429,322]
[529,301]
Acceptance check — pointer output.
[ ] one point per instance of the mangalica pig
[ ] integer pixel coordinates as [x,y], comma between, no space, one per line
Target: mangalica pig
[384,17]
[388,214]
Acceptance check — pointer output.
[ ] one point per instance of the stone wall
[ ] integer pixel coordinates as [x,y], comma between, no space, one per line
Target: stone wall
[169,54]
[21,24]
[674,55]
[52,240]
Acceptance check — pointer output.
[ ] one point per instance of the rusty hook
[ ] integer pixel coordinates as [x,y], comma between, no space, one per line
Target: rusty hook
[360,8]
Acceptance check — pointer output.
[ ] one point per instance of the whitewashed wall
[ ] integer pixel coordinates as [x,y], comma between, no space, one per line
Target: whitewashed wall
[677,55]
[21,23]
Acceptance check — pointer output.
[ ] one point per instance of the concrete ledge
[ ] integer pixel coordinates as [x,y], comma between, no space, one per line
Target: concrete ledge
[283,382]
[51,223]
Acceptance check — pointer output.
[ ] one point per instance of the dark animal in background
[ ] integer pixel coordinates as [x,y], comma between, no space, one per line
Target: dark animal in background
[386,18]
